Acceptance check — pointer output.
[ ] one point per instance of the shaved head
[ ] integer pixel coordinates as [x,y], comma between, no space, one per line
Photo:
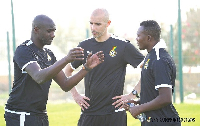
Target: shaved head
[101,11]
[41,20]
[43,29]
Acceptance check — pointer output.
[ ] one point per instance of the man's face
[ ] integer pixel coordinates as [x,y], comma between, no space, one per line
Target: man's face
[142,38]
[98,25]
[47,33]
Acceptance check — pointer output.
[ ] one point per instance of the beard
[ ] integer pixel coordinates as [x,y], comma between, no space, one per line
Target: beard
[99,34]
[46,41]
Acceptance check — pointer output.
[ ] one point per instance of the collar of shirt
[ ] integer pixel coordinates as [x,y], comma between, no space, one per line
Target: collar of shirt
[160,44]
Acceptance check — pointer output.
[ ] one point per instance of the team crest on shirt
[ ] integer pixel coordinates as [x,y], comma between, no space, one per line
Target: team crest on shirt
[113,53]
[146,64]
[48,57]
[148,119]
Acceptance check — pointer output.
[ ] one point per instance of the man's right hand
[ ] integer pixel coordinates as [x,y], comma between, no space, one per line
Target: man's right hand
[75,54]
[81,101]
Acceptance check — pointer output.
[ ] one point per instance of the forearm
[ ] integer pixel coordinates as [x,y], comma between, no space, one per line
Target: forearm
[138,86]
[50,72]
[74,80]
[43,75]
[68,73]
[160,101]
[74,91]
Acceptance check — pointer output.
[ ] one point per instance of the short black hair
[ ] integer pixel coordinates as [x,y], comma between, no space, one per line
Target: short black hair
[152,28]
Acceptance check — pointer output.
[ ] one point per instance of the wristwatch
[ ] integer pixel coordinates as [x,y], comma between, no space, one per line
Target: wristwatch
[134,92]
[86,68]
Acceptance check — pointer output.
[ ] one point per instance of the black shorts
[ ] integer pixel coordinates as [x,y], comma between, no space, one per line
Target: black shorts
[13,119]
[115,119]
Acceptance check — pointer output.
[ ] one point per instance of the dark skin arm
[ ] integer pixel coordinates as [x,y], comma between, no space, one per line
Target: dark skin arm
[164,98]
[43,75]
[55,70]
[68,83]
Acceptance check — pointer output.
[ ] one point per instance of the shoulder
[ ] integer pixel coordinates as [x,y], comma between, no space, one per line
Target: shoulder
[23,47]
[119,39]
[86,41]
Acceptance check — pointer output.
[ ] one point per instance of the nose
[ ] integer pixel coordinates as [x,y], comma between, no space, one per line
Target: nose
[92,27]
[53,34]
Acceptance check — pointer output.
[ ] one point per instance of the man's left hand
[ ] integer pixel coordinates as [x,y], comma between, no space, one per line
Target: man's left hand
[94,60]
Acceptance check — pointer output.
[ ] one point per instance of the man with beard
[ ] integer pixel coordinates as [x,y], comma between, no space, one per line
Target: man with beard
[106,80]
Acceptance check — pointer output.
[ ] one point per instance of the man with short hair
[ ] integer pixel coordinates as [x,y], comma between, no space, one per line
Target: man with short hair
[157,79]
[106,80]
[34,69]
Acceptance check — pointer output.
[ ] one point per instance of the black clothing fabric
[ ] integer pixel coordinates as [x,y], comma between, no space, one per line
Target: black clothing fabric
[116,119]
[27,95]
[156,73]
[13,119]
[107,79]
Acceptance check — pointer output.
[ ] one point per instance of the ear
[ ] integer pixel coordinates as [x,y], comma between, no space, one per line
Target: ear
[149,38]
[108,23]
[36,29]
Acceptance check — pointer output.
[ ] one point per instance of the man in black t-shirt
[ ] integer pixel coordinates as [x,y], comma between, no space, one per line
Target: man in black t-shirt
[157,79]
[106,80]
[34,69]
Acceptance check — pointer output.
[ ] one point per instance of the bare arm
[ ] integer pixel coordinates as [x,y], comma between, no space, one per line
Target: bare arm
[68,83]
[43,75]
[164,98]
[124,98]
[68,73]
[79,99]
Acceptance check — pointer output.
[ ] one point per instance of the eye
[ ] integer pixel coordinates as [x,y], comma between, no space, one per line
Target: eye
[98,24]
[48,31]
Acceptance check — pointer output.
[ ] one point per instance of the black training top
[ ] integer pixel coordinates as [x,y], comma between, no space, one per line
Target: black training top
[159,70]
[27,95]
[107,79]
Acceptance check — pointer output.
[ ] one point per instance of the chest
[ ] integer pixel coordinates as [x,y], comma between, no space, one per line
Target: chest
[44,58]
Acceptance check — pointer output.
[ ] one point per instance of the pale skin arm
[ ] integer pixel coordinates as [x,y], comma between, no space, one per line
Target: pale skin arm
[79,99]
[128,97]
[164,98]
[124,98]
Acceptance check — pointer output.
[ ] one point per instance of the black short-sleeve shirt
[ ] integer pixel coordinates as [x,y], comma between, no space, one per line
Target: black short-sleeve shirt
[107,79]
[158,71]
[26,94]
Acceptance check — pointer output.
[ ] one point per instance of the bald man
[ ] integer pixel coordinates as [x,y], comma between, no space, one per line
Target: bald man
[107,79]
[34,69]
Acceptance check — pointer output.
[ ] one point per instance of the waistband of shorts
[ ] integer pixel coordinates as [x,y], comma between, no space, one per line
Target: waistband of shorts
[23,112]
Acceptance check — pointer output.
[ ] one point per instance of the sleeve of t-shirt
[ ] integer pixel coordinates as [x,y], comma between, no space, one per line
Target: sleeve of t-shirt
[75,64]
[23,57]
[132,55]
[162,74]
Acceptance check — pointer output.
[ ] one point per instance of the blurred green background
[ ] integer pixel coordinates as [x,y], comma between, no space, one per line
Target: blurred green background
[72,20]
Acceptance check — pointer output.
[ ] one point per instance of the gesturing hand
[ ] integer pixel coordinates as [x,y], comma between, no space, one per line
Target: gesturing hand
[94,60]
[75,54]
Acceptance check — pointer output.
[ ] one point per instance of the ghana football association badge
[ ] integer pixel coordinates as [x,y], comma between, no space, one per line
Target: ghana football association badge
[113,52]
[146,64]
[48,57]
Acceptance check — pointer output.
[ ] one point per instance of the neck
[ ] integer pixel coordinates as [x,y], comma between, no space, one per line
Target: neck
[37,43]
[153,43]
[103,38]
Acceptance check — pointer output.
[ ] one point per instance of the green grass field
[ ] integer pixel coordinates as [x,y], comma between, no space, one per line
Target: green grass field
[67,114]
